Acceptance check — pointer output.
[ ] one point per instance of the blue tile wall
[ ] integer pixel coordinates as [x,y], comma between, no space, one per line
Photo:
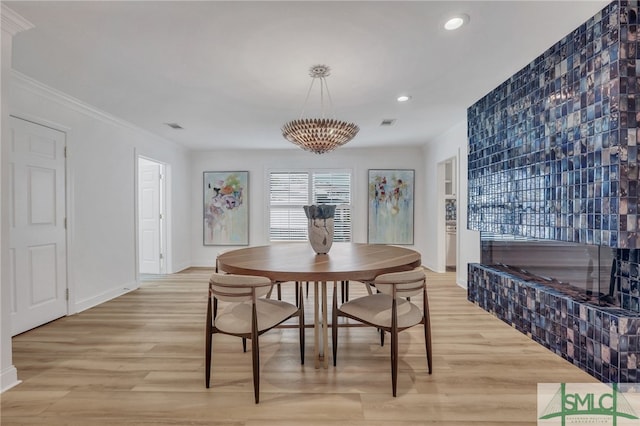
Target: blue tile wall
[553,150]
[628,278]
[604,342]
[553,154]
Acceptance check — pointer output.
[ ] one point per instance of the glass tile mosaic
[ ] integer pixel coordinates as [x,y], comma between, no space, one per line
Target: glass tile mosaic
[553,150]
[553,155]
[604,342]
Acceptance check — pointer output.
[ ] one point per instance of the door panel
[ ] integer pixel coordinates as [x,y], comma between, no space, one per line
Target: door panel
[43,287]
[42,196]
[149,213]
[37,236]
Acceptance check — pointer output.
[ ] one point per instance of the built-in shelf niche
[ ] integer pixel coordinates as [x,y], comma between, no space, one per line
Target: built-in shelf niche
[450,178]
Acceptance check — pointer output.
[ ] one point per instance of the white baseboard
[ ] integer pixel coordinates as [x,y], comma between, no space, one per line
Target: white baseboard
[462,284]
[180,267]
[9,378]
[83,305]
[432,268]
[203,263]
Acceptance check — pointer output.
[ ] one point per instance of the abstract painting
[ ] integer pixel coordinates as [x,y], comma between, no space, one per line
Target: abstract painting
[226,213]
[391,206]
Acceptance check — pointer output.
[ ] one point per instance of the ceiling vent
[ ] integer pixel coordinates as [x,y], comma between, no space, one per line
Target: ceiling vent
[174,125]
[388,122]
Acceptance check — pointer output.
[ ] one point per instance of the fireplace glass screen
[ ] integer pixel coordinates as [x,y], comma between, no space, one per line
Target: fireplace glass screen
[587,273]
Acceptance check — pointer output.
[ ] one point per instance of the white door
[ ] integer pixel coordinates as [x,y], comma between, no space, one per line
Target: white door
[149,202]
[37,238]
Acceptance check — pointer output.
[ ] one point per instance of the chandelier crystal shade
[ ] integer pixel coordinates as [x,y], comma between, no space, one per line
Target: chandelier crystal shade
[319,135]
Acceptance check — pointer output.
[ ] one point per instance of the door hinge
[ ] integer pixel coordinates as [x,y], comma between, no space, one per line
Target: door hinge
[161,256]
[66,294]
[65,152]
[65,223]
[161,176]
[161,217]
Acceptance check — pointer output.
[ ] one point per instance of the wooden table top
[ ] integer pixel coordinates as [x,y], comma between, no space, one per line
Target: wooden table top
[298,261]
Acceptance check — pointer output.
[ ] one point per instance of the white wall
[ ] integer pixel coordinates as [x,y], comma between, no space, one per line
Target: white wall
[258,163]
[451,144]
[101,165]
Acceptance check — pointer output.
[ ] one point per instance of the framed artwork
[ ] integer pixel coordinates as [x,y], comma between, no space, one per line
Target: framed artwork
[391,206]
[226,210]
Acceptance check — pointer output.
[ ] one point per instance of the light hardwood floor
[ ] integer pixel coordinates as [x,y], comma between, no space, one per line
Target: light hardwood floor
[139,360]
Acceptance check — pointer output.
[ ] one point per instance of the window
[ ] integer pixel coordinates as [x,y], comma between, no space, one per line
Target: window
[290,190]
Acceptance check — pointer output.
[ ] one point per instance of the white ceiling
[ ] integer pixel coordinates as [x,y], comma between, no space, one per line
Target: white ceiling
[231,73]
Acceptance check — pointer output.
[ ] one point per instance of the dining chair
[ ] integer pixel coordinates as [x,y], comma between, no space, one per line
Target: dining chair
[389,310]
[277,284]
[248,314]
[215,306]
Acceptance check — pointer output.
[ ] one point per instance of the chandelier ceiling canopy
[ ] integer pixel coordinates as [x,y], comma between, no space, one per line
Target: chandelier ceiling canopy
[319,135]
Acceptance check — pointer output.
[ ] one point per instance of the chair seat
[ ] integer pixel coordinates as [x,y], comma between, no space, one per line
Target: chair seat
[236,318]
[376,310]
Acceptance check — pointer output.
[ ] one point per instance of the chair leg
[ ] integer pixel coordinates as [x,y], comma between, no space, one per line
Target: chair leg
[307,289]
[279,291]
[301,319]
[207,346]
[255,354]
[244,344]
[427,329]
[368,287]
[394,347]
[380,330]
[334,325]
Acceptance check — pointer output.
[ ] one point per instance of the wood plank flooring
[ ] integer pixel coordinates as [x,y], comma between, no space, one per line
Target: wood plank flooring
[139,360]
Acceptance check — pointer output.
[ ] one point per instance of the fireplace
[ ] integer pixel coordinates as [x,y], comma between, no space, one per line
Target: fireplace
[578,300]
[586,273]
[554,189]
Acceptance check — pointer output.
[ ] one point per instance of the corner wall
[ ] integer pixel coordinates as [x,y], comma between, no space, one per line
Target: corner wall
[451,144]
[101,164]
[12,24]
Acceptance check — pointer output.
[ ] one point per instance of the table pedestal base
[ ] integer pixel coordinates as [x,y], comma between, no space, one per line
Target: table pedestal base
[320,329]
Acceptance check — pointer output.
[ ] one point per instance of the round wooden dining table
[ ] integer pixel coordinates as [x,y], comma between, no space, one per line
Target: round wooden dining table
[283,262]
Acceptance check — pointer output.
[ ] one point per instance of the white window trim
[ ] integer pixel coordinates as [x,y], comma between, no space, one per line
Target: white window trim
[310,172]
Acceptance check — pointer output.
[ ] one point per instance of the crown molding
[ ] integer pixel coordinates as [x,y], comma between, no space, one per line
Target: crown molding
[22,80]
[12,22]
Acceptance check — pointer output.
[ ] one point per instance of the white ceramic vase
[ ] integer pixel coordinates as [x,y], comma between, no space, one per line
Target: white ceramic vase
[320,228]
[321,234]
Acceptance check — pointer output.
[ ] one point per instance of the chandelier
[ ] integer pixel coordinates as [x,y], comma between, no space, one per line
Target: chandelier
[319,135]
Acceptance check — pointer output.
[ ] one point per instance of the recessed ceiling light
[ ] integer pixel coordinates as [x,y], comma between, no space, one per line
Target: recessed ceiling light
[456,22]
[403,98]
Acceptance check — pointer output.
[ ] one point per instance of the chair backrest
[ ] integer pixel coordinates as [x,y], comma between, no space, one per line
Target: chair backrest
[238,288]
[220,253]
[407,283]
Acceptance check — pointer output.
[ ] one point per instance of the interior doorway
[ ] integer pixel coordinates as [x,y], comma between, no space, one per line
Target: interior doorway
[152,217]
[38,225]
[448,213]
